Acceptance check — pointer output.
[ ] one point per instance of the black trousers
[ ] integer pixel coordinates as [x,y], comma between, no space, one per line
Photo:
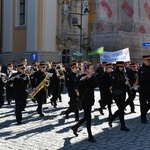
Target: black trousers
[144,104]
[120,102]
[73,108]
[131,97]
[20,104]
[86,118]
[55,93]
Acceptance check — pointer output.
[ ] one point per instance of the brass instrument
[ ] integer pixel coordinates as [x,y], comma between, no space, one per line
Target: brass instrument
[135,85]
[44,83]
[3,76]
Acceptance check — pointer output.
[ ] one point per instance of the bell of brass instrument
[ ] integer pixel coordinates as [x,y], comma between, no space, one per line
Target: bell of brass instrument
[44,83]
[3,77]
[135,85]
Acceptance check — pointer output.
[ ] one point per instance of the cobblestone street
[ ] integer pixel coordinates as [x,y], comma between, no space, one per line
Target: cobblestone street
[52,132]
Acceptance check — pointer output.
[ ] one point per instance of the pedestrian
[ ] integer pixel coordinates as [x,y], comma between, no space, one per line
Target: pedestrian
[119,88]
[144,87]
[85,87]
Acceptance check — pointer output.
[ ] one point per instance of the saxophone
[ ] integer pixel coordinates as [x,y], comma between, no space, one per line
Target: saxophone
[44,83]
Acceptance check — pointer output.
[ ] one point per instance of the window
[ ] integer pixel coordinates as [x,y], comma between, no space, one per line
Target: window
[22,13]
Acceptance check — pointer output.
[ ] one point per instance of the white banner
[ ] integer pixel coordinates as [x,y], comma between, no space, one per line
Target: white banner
[112,57]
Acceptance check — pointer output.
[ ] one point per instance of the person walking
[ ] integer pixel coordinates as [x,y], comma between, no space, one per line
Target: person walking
[119,88]
[39,77]
[72,77]
[144,89]
[20,81]
[85,88]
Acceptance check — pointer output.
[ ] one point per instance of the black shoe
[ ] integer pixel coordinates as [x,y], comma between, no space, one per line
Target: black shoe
[77,119]
[91,139]
[19,123]
[101,111]
[132,111]
[41,115]
[124,128]
[144,121]
[110,121]
[74,129]
[67,117]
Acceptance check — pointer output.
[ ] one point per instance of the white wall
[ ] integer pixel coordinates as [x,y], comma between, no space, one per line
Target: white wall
[49,25]
[7,25]
[32,22]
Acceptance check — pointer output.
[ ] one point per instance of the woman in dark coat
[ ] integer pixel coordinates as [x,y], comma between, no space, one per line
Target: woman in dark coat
[85,87]
[119,88]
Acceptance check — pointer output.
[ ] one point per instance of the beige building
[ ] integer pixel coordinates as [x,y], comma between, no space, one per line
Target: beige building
[29,29]
[53,29]
[41,29]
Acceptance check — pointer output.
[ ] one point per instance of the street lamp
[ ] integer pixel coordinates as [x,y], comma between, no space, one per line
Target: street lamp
[75,21]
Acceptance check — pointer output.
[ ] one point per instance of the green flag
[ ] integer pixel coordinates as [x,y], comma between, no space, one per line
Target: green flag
[77,54]
[99,51]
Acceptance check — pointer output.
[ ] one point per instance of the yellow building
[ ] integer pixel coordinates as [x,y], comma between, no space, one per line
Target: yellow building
[29,27]
[41,29]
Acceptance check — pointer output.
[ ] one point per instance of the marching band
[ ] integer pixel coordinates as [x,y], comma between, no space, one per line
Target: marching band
[39,81]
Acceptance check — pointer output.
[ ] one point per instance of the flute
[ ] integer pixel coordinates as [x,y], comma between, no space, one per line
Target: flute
[87,76]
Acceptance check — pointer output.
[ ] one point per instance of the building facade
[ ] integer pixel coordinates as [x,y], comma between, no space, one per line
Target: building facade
[29,27]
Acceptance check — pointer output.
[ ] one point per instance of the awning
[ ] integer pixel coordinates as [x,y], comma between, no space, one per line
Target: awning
[99,51]
[77,54]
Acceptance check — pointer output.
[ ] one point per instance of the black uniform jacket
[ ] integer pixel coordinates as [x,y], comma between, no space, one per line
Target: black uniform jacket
[86,89]
[20,85]
[144,79]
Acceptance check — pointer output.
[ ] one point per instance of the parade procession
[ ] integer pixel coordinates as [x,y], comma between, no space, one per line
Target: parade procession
[44,82]
[74,74]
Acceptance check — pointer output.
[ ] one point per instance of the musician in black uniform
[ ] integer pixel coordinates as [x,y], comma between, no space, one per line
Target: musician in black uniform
[85,87]
[99,72]
[119,88]
[144,89]
[2,88]
[41,96]
[132,76]
[9,88]
[34,68]
[21,83]
[54,84]
[72,77]
[106,84]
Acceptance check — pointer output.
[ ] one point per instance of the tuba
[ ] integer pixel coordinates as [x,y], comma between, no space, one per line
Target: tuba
[44,83]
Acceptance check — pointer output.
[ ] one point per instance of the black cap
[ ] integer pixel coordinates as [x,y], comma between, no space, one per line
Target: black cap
[109,65]
[73,65]
[21,66]
[146,57]
[120,63]
[42,64]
